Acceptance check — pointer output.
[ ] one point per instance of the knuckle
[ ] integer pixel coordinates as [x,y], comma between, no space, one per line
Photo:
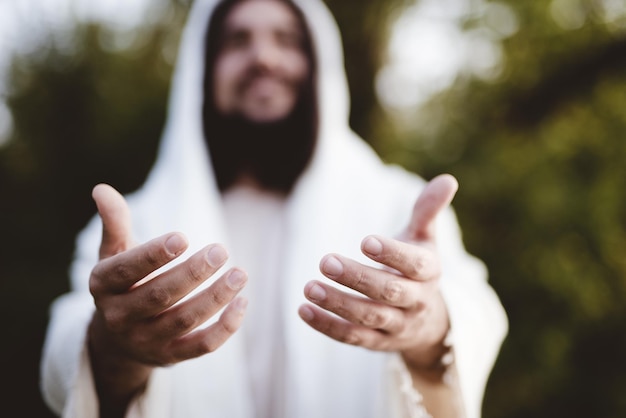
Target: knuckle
[153,258]
[196,273]
[392,292]
[341,309]
[361,278]
[419,306]
[95,285]
[122,271]
[219,298]
[115,321]
[416,268]
[229,327]
[374,319]
[97,279]
[205,346]
[158,296]
[184,322]
[352,337]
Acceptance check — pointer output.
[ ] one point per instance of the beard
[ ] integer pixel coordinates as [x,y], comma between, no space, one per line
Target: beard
[274,154]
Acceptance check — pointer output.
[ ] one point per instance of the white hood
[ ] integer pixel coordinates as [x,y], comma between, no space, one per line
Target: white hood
[345,194]
[183,148]
[325,378]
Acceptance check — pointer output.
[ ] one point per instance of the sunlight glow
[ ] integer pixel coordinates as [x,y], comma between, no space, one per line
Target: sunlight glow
[429,48]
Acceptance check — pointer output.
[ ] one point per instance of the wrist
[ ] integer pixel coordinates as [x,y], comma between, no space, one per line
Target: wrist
[117,377]
[432,362]
[434,355]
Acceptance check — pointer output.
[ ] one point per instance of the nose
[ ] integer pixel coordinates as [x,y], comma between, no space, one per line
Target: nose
[265,54]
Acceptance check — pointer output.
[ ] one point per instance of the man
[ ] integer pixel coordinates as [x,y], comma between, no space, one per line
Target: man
[257,156]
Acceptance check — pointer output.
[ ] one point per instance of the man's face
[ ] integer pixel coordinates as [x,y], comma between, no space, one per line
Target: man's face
[261,64]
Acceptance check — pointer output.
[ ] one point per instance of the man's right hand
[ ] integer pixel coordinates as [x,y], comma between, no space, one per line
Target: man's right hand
[138,323]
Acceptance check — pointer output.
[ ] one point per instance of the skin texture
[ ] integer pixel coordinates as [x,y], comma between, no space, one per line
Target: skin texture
[139,323]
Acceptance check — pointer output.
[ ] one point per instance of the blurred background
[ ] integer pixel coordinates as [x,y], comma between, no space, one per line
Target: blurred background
[523,101]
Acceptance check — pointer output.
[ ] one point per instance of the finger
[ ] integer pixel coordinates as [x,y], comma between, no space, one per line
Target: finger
[380,285]
[116,222]
[354,309]
[209,339]
[169,287]
[183,318]
[417,262]
[118,273]
[437,195]
[341,330]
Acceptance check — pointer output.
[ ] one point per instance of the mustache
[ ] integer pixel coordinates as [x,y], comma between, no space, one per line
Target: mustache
[255,73]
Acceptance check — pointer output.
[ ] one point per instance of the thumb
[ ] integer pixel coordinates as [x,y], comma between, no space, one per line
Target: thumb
[435,197]
[116,224]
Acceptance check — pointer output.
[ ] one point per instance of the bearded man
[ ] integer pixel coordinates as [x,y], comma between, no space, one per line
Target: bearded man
[257,156]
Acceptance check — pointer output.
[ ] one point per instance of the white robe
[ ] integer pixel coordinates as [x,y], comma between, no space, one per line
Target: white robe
[345,194]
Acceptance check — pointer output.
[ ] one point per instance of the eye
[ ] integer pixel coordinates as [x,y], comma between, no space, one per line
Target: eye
[235,40]
[290,39]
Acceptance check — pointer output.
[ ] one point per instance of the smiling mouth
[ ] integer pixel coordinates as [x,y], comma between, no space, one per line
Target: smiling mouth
[264,86]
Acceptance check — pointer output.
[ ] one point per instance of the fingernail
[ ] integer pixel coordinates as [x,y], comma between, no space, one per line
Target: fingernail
[317,293]
[216,256]
[372,246]
[236,279]
[332,266]
[175,244]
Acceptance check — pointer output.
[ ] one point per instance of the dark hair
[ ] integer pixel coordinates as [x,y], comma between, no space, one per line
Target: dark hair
[280,151]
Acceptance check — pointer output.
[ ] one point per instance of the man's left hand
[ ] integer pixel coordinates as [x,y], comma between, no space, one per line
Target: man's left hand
[398,307]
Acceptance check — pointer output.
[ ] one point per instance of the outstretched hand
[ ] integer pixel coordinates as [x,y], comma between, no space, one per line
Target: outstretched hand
[401,308]
[140,319]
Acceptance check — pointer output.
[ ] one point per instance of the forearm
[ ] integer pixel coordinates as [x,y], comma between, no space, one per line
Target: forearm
[118,379]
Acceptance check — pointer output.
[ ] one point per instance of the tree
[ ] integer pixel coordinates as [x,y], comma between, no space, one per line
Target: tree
[539,154]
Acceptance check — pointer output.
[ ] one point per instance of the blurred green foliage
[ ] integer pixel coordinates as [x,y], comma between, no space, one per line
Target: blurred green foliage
[90,115]
[538,151]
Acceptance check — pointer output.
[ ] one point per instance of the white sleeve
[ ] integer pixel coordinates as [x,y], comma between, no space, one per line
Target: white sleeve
[402,399]
[155,401]
[63,385]
[67,383]
[67,380]
[478,320]
[70,315]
